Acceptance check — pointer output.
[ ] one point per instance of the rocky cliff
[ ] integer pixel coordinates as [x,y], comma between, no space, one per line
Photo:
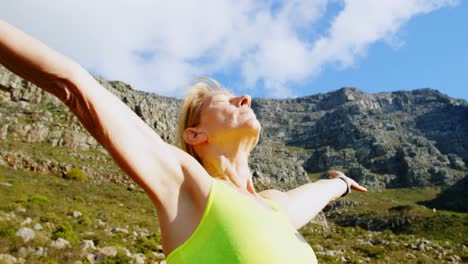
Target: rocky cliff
[40,134]
[411,138]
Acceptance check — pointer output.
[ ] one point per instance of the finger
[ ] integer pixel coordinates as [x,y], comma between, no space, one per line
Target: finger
[359,188]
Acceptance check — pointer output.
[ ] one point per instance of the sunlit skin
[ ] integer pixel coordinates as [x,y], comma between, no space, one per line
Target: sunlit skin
[227,132]
[177,184]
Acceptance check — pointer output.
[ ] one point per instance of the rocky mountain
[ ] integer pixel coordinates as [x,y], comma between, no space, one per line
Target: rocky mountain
[33,123]
[410,138]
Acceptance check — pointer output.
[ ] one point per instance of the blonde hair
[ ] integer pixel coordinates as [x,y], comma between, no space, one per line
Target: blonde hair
[189,115]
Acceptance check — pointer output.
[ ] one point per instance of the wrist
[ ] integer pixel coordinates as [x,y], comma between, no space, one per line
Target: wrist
[347,183]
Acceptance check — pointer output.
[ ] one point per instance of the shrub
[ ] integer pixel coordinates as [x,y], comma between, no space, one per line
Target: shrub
[76,175]
[327,259]
[7,229]
[401,209]
[387,233]
[103,215]
[65,231]
[120,258]
[145,244]
[376,252]
[8,240]
[49,217]
[38,199]
[84,221]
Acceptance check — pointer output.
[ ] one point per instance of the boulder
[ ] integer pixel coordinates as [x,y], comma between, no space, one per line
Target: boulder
[5,184]
[60,243]
[102,254]
[7,259]
[27,221]
[87,245]
[41,251]
[139,258]
[108,251]
[26,234]
[76,214]
[119,230]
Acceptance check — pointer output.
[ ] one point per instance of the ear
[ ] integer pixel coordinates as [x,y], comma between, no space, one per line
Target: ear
[194,136]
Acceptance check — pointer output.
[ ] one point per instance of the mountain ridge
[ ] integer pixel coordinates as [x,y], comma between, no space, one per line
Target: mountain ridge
[384,140]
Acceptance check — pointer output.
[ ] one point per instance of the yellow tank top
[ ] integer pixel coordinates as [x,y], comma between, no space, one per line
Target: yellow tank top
[234,229]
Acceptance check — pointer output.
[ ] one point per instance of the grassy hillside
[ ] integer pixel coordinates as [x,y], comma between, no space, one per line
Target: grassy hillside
[114,215]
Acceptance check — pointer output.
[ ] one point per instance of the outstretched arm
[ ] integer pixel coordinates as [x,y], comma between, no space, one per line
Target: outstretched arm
[136,148]
[305,202]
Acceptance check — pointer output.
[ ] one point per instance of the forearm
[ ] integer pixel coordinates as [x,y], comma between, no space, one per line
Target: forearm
[306,201]
[35,62]
[49,70]
[136,148]
[54,73]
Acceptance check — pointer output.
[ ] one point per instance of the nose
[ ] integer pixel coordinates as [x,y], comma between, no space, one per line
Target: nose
[243,100]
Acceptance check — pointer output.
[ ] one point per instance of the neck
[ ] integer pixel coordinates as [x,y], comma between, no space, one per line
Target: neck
[232,168]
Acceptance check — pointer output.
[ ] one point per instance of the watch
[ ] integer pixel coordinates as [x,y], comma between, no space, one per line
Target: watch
[348,184]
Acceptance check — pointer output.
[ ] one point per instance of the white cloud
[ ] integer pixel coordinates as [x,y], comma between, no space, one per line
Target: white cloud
[364,22]
[181,40]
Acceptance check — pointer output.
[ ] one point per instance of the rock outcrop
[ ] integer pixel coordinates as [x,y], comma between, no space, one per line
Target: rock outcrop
[411,138]
[405,138]
[28,114]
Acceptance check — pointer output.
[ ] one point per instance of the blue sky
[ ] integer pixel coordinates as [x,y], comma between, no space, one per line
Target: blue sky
[267,48]
[434,54]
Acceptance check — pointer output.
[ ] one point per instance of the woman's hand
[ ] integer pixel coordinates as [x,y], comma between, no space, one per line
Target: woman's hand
[350,182]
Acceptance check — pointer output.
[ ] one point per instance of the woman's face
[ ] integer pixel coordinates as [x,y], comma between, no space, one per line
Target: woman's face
[225,115]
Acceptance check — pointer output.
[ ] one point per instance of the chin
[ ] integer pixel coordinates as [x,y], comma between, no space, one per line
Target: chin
[254,129]
[254,125]
[250,126]
[258,126]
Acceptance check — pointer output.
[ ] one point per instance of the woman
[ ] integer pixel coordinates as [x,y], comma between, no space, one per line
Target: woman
[207,206]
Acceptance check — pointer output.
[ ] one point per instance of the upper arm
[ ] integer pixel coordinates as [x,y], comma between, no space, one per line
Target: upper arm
[157,166]
[281,199]
[303,203]
[289,204]
[306,201]
[137,149]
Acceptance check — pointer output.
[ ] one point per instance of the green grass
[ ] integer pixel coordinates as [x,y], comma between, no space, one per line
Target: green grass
[384,199]
[38,150]
[50,201]
[445,229]
[401,205]
[314,176]
[99,164]
[76,175]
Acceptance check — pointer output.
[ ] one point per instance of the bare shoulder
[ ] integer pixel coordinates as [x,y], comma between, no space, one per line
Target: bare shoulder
[279,197]
[193,175]
[186,192]
[195,183]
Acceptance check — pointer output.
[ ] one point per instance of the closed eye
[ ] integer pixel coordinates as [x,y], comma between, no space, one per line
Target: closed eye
[221,99]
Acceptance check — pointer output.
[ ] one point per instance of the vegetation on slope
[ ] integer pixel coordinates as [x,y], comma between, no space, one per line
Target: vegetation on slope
[124,218]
